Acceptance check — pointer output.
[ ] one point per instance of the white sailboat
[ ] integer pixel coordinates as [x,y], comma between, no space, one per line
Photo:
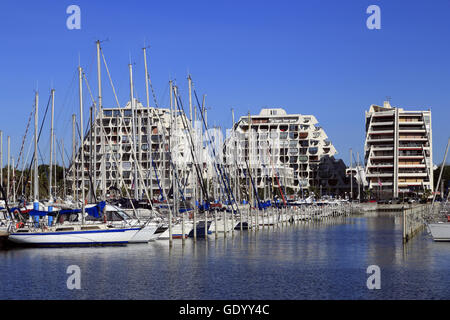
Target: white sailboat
[440,231]
[222,226]
[116,216]
[177,231]
[42,232]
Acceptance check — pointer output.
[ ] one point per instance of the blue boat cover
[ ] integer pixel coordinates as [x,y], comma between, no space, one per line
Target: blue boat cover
[97,210]
[37,213]
[93,211]
[263,205]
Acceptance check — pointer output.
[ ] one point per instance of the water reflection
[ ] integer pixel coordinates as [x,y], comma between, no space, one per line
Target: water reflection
[319,260]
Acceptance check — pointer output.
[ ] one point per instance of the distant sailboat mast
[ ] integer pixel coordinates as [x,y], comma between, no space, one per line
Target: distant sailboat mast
[136,182]
[102,137]
[82,141]
[36,179]
[51,146]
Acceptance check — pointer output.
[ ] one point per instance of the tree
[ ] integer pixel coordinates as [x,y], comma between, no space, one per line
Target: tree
[445,177]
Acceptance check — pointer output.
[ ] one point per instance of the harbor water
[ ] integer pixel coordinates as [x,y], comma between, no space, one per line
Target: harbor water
[313,260]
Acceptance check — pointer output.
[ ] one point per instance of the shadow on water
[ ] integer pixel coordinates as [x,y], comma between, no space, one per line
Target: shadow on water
[313,260]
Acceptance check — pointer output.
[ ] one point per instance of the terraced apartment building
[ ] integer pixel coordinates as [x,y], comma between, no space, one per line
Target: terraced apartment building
[290,147]
[398,151]
[142,166]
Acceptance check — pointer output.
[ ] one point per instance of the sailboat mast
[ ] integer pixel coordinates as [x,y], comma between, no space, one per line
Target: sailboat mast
[149,126]
[92,166]
[13,180]
[136,195]
[51,145]
[36,179]
[250,192]
[9,167]
[1,158]
[146,77]
[54,157]
[102,142]
[207,164]
[173,172]
[359,183]
[74,167]
[64,169]
[190,97]
[82,141]
[351,176]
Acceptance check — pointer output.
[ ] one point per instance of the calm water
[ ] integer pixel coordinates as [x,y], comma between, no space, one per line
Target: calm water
[308,261]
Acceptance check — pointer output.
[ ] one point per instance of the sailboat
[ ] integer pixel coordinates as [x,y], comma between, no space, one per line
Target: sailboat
[41,231]
[177,231]
[113,226]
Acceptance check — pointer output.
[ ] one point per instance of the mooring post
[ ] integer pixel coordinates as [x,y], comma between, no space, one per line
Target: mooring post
[405,239]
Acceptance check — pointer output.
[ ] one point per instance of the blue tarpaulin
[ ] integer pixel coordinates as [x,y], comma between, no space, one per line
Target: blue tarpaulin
[263,205]
[61,212]
[96,211]
[93,211]
[35,213]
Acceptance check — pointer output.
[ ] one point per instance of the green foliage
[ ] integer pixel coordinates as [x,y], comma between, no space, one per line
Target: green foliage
[445,176]
[25,177]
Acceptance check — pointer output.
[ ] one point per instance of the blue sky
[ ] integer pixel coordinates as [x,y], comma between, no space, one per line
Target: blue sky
[310,57]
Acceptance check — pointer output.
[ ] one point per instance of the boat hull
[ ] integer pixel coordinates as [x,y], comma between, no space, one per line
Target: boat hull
[200,230]
[74,238]
[177,232]
[222,226]
[440,231]
[145,234]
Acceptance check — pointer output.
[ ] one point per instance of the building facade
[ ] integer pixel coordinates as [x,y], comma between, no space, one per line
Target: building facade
[276,140]
[398,151]
[128,150]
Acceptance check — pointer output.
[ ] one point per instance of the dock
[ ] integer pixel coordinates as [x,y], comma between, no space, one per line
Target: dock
[413,217]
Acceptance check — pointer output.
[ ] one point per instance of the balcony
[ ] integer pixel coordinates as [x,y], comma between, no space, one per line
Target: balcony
[303,135]
[412,174]
[411,165]
[382,123]
[410,119]
[374,183]
[380,138]
[383,114]
[382,147]
[410,156]
[381,165]
[412,137]
[380,174]
[313,150]
[303,158]
[381,130]
[411,130]
[382,156]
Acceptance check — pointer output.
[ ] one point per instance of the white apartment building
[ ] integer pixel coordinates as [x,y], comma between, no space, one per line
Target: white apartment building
[132,153]
[398,151]
[291,147]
